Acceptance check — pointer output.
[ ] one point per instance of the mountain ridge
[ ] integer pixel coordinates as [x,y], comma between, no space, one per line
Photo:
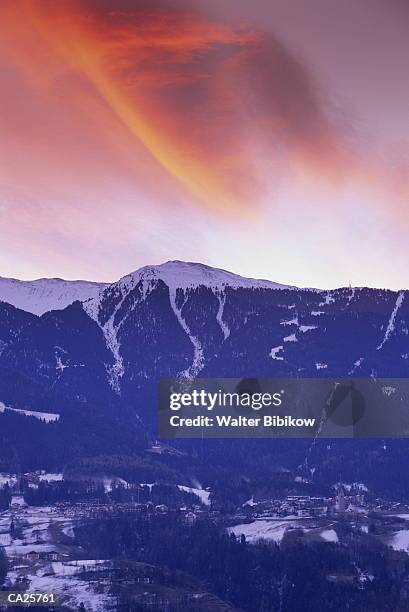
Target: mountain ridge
[96,363]
[45,294]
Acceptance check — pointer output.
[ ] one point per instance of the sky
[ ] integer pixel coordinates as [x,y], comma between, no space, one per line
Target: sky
[269,138]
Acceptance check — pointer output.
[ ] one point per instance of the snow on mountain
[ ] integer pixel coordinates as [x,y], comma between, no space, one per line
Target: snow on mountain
[180,320]
[391,323]
[202,494]
[40,296]
[45,294]
[48,417]
[177,275]
[184,275]
[181,275]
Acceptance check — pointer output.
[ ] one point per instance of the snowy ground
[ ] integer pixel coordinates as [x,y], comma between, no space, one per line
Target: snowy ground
[399,540]
[329,535]
[266,529]
[44,529]
[273,529]
[322,530]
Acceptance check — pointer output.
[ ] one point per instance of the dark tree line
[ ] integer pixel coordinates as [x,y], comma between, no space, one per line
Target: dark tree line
[3,566]
[49,493]
[5,497]
[313,577]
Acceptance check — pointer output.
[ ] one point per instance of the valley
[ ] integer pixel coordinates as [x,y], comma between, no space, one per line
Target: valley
[98,508]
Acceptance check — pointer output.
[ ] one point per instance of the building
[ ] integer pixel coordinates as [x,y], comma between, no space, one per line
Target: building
[51,555]
[32,555]
[17,500]
[340,501]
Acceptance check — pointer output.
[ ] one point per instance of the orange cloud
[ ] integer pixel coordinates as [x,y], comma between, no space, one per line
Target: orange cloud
[219,108]
[183,106]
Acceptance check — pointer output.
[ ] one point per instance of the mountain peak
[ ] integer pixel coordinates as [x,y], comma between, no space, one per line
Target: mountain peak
[185,274]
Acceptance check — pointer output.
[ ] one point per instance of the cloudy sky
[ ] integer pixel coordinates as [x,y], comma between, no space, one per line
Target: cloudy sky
[270,138]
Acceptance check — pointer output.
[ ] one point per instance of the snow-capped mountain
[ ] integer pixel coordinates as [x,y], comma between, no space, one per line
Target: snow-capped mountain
[105,355]
[222,319]
[183,318]
[176,275]
[182,279]
[45,294]
[187,275]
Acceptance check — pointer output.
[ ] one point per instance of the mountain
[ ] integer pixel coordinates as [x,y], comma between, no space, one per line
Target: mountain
[119,306]
[97,362]
[45,294]
[212,322]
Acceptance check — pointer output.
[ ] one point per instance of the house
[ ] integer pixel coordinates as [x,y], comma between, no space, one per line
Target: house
[32,555]
[17,500]
[51,555]
[303,512]
[319,511]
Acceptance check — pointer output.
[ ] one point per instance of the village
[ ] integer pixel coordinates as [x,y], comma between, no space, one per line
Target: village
[43,553]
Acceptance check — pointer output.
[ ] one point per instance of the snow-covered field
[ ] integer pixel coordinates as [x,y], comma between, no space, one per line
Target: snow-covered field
[48,417]
[65,580]
[264,529]
[404,516]
[400,540]
[273,529]
[329,535]
[34,529]
[25,529]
